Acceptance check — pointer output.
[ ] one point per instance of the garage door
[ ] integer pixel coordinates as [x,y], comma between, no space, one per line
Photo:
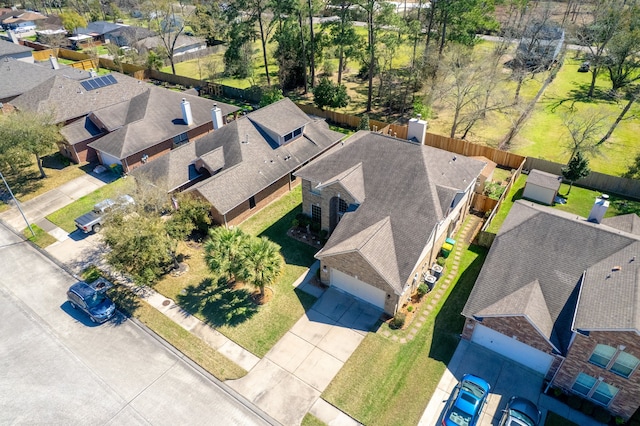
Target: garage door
[358,288]
[108,160]
[511,348]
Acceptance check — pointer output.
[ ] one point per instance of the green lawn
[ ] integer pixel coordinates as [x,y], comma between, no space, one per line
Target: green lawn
[554,419]
[231,310]
[310,420]
[65,216]
[579,202]
[386,382]
[41,239]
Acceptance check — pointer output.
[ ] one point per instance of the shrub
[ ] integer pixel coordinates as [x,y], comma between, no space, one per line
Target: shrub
[398,321]
[315,226]
[587,407]
[441,261]
[603,416]
[410,308]
[494,190]
[323,234]
[574,401]
[295,223]
[422,290]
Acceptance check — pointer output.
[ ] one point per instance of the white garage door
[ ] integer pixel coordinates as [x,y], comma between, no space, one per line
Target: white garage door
[511,348]
[358,288]
[108,160]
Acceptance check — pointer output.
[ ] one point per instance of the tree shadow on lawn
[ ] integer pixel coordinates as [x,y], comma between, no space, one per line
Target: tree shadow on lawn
[293,251]
[449,321]
[218,303]
[580,93]
[22,182]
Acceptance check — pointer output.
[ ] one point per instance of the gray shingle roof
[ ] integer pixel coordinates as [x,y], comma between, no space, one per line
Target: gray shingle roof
[21,77]
[626,222]
[554,248]
[80,130]
[150,118]
[404,189]
[8,48]
[68,99]
[251,167]
[544,179]
[98,28]
[281,120]
[248,168]
[170,171]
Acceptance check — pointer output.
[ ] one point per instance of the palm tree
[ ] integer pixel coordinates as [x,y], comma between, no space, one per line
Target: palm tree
[261,263]
[222,250]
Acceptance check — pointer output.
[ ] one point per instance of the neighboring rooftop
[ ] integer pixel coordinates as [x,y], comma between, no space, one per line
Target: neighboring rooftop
[68,99]
[542,247]
[626,222]
[149,118]
[393,223]
[21,77]
[9,49]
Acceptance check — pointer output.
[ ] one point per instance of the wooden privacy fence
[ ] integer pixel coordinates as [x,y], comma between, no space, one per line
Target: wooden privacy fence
[43,55]
[483,203]
[596,181]
[469,149]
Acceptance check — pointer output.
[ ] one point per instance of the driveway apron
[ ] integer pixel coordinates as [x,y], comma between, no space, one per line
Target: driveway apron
[293,374]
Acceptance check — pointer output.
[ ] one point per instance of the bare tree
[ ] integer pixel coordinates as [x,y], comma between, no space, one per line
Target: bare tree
[584,128]
[170,24]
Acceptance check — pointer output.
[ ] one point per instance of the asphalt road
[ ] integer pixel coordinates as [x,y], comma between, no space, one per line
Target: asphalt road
[56,367]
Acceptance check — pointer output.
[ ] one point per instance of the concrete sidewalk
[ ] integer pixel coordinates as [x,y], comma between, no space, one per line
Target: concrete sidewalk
[37,208]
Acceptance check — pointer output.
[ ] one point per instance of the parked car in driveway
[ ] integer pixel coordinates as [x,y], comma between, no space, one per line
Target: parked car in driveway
[92,299]
[520,412]
[466,401]
[92,221]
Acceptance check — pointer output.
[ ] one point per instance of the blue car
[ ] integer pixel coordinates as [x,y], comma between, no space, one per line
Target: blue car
[466,402]
[92,300]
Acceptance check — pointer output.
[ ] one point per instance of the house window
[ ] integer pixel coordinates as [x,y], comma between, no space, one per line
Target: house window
[604,393]
[180,138]
[583,384]
[252,202]
[625,364]
[316,214]
[594,389]
[342,206]
[602,355]
[297,132]
[288,137]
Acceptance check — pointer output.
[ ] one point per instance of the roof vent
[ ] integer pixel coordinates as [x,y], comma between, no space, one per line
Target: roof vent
[616,268]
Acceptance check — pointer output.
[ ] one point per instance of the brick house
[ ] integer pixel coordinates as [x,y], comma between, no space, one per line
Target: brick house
[388,205]
[244,165]
[559,295]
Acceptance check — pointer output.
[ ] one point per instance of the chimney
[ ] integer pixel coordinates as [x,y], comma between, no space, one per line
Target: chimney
[186,112]
[54,62]
[417,130]
[216,116]
[599,209]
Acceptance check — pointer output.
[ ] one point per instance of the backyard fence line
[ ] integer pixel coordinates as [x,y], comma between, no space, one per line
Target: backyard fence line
[595,180]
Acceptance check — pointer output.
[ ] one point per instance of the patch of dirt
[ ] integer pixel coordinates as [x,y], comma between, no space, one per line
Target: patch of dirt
[260,299]
[182,269]
[309,238]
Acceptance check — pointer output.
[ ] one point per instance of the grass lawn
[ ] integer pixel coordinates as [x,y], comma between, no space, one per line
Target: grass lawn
[554,419]
[27,184]
[41,239]
[386,382]
[579,202]
[311,420]
[231,310]
[190,345]
[65,216]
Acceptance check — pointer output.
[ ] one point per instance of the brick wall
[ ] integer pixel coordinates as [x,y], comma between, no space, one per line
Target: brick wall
[263,198]
[323,200]
[135,160]
[627,401]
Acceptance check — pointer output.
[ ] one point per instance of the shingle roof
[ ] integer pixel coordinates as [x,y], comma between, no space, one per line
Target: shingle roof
[402,185]
[170,171]
[68,99]
[182,41]
[150,118]
[544,179]
[251,167]
[8,48]
[98,28]
[20,77]
[281,120]
[626,222]
[80,130]
[553,248]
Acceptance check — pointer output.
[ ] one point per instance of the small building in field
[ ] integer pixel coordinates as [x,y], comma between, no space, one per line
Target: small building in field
[542,187]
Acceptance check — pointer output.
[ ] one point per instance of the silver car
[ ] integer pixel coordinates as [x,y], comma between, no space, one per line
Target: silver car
[520,412]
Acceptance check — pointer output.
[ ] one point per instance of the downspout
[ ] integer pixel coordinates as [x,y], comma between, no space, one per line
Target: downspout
[433,241]
[555,374]
[127,164]
[224,216]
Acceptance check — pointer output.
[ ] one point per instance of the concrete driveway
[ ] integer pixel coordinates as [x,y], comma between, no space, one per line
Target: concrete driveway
[506,378]
[293,374]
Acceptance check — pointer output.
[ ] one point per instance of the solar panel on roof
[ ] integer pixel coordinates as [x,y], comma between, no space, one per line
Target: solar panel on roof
[98,82]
